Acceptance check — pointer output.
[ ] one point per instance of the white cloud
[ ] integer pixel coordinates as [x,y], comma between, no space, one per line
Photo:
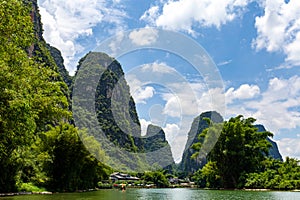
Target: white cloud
[65,21]
[289,147]
[191,99]
[173,105]
[245,91]
[142,94]
[279,29]
[183,14]
[277,108]
[158,67]
[144,126]
[115,45]
[226,62]
[150,15]
[144,36]
[293,50]
[138,90]
[176,140]
[171,131]
[183,99]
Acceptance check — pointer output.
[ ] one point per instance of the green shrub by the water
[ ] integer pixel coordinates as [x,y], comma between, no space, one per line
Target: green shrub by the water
[30,187]
[104,185]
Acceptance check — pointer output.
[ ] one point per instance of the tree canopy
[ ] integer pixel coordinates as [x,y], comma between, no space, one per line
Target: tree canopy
[34,113]
[239,150]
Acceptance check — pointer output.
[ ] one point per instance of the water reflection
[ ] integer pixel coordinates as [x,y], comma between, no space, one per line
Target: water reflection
[169,194]
[164,194]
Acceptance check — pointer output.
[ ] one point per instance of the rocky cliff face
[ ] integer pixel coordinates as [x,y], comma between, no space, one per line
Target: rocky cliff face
[117,115]
[48,54]
[59,61]
[155,141]
[274,151]
[187,164]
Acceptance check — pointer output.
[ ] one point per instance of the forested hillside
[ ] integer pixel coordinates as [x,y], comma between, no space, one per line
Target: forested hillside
[48,144]
[38,146]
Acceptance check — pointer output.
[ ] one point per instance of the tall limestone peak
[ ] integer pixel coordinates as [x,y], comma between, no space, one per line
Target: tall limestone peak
[274,151]
[100,87]
[155,142]
[47,53]
[117,116]
[187,164]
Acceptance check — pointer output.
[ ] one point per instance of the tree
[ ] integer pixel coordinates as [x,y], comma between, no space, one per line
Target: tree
[69,165]
[276,175]
[156,177]
[239,150]
[30,95]
[208,176]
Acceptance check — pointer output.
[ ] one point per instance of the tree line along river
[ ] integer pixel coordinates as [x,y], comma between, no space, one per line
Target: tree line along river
[164,194]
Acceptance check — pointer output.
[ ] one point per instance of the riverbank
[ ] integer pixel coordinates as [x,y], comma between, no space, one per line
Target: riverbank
[24,193]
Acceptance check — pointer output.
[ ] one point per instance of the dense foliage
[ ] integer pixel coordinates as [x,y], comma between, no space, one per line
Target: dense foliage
[240,150]
[117,125]
[188,165]
[38,146]
[156,177]
[276,174]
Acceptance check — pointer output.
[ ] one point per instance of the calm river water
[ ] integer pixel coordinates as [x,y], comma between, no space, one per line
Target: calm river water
[163,194]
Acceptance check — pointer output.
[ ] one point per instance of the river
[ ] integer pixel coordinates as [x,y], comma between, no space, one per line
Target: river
[164,194]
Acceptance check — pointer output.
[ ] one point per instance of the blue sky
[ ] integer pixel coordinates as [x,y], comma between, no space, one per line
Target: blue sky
[255,45]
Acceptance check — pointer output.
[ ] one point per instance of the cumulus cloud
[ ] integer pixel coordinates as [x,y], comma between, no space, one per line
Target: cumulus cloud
[144,36]
[245,91]
[176,140]
[183,100]
[183,14]
[144,126]
[289,147]
[157,67]
[65,21]
[277,107]
[142,94]
[139,89]
[173,105]
[279,29]
[150,15]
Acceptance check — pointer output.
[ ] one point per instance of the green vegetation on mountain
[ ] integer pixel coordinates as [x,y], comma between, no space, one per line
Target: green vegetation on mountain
[188,165]
[38,147]
[117,124]
[117,117]
[155,144]
[41,149]
[240,159]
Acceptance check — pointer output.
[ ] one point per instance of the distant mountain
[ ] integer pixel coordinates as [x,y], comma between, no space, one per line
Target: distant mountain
[155,142]
[274,151]
[117,116]
[187,164]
